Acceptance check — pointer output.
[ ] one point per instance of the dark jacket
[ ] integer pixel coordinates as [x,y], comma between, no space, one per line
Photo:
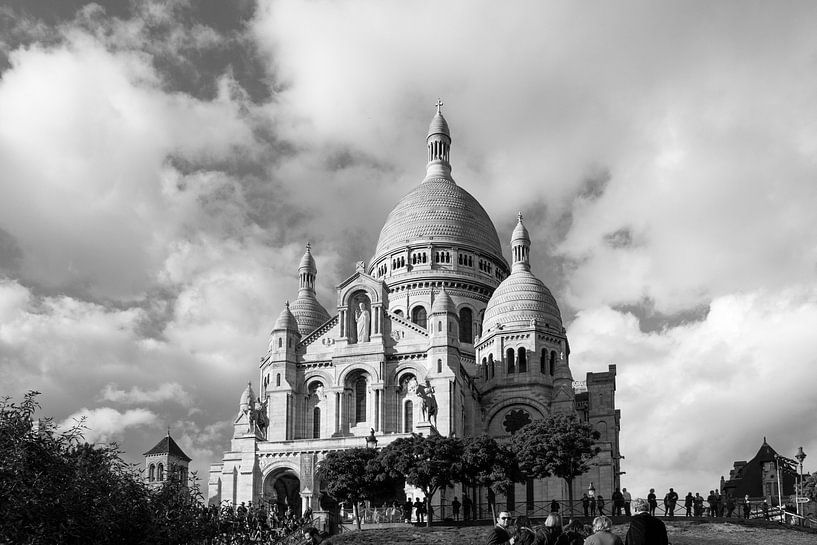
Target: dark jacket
[645,529]
[498,536]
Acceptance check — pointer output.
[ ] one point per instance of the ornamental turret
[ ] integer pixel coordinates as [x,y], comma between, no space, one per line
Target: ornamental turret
[438,143]
[308,311]
[520,246]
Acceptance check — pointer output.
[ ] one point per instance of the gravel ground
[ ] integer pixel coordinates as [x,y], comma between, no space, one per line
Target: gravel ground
[680,533]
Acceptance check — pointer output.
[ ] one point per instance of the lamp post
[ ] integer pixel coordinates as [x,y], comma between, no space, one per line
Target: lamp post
[800,457]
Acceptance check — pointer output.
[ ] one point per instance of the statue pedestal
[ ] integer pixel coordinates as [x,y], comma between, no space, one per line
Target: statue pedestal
[426,428]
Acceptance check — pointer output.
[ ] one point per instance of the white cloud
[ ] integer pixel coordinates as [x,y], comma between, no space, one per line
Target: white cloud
[168,391]
[698,396]
[105,424]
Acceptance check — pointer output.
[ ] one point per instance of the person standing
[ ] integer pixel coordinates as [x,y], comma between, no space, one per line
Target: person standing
[747,506]
[586,505]
[455,507]
[554,506]
[420,510]
[688,501]
[671,499]
[593,505]
[499,533]
[601,533]
[628,499]
[600,504]
[652,500]
[618,502]
[407,507]
[645,529]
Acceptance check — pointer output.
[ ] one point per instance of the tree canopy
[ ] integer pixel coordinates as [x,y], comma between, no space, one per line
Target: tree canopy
[429,463]
[560,445]
[353,475]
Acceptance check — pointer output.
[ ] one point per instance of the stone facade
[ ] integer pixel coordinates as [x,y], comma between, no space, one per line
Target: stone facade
[438,334]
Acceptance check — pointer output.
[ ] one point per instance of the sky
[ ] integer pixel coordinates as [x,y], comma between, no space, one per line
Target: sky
[162,165]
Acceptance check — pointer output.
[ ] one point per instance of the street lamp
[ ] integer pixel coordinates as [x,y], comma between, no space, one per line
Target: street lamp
[371,440]
[800,457]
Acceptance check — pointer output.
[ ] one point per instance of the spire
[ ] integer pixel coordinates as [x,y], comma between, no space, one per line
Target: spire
[307,271]
[438,143]
[520,246]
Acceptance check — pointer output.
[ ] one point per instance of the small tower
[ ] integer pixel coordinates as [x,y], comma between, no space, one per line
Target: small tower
[166,461]
[278,376]
[520,246]
[438,143]
[308,311]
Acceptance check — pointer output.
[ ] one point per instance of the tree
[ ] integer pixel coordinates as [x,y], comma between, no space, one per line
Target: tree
[55,488]
[352,475]
[487,462]
[429,463]
[559,445]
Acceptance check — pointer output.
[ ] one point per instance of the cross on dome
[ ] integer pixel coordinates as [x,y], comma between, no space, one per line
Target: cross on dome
[439,105]
[519,217]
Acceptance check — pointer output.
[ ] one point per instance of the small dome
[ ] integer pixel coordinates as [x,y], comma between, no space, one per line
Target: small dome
[309,313]
[443,304]
[307,261]
[438,125]
[520,233]
[247,397]
[519,299]
[286,321]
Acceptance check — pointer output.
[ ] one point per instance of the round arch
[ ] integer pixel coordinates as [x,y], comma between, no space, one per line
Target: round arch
[318,374]
[355,290]
[417,369]
[281,485]
[365,367]
[541,408]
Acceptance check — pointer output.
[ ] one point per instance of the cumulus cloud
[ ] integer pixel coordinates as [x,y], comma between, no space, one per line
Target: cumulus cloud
[163,167]
[697,396]
[105,424]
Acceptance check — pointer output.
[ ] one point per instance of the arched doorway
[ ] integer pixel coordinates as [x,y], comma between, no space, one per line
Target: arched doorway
[282,489]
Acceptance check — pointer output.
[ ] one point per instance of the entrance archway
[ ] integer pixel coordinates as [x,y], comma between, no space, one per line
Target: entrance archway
[282,489]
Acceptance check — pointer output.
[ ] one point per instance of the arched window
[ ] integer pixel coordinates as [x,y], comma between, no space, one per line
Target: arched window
[523,360]
[360,399]
[160,472]
[509,358]
[466,326]
[278,379]
[485,368]
[152,473]
[418,316]
[399,312]
[439,326]
[280,342]
[439,366]
[408,417]
[491,364]
[316,423]
[552,363]
[543,362]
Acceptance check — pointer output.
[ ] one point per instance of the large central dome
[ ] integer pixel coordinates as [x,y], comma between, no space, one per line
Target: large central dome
[438,210]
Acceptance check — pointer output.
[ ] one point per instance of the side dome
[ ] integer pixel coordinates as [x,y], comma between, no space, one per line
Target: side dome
[285,321]
[519,299]
[309,314]
[439,210]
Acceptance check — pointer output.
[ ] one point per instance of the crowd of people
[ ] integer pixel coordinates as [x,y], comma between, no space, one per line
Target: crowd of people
[644,529]
[248,523]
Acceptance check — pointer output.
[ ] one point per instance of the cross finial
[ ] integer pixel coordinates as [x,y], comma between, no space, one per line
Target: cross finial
[308,245]
[439,104]
[519,217]
[168,431]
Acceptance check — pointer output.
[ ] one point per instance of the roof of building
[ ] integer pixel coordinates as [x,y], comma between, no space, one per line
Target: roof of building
[307,261]
[286,320]
[438,125]
[168,446]
[443,304]
[748,477]
[438,211]
[309,313]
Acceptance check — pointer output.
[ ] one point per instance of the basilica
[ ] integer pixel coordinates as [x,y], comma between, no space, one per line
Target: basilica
[438,333]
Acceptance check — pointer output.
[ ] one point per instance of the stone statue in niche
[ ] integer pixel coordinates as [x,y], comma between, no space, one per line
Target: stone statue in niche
[362,318]
[258,416]
[426,393]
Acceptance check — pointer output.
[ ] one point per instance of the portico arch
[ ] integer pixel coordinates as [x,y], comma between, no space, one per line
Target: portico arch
[282,490]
